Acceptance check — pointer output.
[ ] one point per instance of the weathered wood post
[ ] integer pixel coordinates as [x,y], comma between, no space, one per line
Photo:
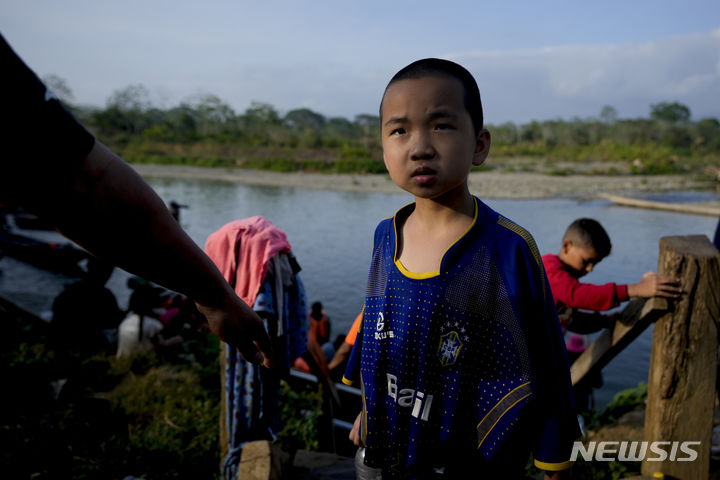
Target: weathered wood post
[681,384]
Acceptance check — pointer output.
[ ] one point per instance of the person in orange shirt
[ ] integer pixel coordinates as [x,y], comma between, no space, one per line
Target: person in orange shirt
[319,327]
[339,360]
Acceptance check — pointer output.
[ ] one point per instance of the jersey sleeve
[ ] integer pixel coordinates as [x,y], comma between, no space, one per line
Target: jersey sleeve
[556,420]
[352,370]
[43,142]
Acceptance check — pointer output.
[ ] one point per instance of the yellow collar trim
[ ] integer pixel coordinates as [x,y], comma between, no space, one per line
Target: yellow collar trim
[435,273]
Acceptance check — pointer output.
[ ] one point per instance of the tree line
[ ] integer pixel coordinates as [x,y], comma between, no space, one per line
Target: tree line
[206,130]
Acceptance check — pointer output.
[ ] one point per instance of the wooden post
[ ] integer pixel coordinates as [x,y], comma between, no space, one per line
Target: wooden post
[681,384]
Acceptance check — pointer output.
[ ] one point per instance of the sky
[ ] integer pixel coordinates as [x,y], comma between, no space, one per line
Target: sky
[533,60]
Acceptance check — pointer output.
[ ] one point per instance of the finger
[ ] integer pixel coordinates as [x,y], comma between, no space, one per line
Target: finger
[262,342]
[265,357]
[666,294]
[248,352]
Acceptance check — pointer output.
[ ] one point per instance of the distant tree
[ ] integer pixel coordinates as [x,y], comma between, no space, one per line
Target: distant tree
[133,98]
[302,119]
[340,127]
[577,132]
[262,126]
[366,120]
[532,132]
[504,134]
[670,112]
[212,116]
[59,87]
[128,111]
[707,134]
[181,123]
[608,114]
[369,125]
[633,131]
[596,131]
[259,113]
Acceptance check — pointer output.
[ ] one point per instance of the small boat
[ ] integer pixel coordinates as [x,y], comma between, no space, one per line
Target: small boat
[57,257]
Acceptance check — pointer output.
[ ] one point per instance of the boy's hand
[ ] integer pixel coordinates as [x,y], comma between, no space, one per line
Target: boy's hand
[355,432]
[565,315]
[654,285]
[561,475]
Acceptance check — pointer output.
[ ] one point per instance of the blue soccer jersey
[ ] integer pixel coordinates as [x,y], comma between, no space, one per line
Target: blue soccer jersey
[464,367]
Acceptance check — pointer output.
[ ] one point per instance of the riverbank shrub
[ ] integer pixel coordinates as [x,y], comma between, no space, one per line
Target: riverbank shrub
[206,131]
[299,415]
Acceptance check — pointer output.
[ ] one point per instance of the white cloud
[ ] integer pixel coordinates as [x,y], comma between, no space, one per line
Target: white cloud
[578,80]
[255,57]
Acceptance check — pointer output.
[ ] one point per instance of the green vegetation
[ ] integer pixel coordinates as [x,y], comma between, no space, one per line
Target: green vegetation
[206,131]
[622,403]
[300,412]
[152,416]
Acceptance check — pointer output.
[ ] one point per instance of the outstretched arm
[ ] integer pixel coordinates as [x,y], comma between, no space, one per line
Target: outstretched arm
[113,213]
[340,356]
[97,200]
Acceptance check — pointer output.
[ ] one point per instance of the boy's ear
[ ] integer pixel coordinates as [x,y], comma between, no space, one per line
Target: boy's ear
[566,246]
[482,147]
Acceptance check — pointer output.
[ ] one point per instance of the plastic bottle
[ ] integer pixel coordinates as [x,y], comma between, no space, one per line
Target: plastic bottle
[362,471]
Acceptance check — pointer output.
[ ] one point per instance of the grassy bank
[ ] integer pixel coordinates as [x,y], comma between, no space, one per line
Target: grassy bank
[603,159]
[342,159]
[153,416]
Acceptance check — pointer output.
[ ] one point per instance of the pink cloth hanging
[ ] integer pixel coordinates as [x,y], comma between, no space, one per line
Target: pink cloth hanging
[242,249]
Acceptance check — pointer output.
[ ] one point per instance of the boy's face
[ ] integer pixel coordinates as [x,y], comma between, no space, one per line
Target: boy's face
[580,260]
[428,139]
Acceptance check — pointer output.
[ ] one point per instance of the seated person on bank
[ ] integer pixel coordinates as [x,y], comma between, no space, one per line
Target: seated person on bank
[584,245]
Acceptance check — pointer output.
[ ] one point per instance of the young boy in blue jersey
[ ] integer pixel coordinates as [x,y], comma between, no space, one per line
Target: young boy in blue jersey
[460,355]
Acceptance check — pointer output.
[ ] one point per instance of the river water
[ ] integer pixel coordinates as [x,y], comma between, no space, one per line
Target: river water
[331,235]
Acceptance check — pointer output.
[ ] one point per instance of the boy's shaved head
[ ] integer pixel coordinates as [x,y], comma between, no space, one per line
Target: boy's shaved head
[588,233]
[429,67]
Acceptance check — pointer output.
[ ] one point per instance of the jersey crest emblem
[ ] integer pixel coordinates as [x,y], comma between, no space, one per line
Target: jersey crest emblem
[450,346]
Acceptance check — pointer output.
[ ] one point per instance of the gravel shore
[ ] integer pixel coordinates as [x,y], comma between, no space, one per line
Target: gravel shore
[485,184]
